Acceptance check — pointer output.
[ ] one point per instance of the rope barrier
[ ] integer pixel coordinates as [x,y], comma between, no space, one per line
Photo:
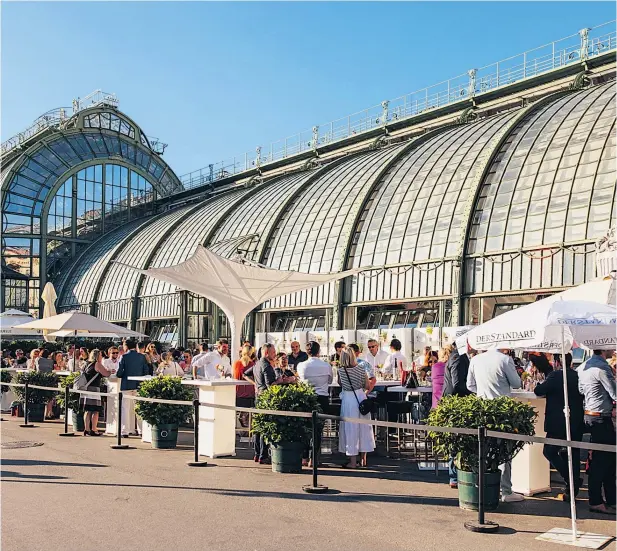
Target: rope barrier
[386,424]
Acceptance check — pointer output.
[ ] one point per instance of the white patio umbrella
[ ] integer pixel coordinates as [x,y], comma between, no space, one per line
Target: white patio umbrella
[235,287]
[75,323]
[78,323]
[9,319]
[127,333]
[49,298]
[551,325]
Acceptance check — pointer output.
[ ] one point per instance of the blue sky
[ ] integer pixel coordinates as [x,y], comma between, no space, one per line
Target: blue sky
[214,80]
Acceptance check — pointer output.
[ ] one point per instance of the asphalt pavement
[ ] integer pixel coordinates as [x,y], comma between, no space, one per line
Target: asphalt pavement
[77,494]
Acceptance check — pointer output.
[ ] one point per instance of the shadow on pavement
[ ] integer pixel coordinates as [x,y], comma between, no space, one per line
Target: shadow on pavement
[33,477]
[36,462]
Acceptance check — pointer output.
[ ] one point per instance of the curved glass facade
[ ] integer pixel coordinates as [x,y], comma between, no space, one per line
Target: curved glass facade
[549,193]
[71,185]
[486,214]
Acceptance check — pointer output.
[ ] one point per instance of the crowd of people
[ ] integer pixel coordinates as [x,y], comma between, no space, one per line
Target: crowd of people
[591,390]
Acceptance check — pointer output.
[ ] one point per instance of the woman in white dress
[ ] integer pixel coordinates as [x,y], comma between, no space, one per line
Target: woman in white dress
[354,438]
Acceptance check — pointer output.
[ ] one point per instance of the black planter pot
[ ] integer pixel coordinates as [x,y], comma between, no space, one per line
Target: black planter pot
[78,421]
[287,457]
[468,490]
[164,436]
[36,412]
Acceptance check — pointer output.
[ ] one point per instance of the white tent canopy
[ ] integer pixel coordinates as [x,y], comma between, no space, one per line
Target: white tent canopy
[236,288]
[78,323]
[119,334]
[9,319]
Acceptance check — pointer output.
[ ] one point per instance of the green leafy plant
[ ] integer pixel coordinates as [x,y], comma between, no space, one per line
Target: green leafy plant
[277,428]
[35,395]
[74,398]
[500,414]
[167,388]
[5,377]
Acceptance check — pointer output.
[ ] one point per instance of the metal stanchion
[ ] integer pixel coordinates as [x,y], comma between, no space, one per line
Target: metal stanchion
[66,413]
[26,425]
[481,525]
[196,462]
[119,445]
[315,488]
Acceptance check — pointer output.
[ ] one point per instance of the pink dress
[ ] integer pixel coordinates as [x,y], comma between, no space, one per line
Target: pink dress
[437,373]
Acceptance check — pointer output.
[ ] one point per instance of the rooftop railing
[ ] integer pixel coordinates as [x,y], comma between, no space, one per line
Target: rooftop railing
[58,116]
[576,48]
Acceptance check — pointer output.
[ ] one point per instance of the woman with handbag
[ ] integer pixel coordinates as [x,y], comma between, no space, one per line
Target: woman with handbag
[168,366]
[94,373]
[354,438]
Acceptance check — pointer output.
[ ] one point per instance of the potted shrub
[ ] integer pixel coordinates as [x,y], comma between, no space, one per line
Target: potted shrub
[75,403]
[164,418]
[36,398]
[5,377]
[500,414]
[287,436]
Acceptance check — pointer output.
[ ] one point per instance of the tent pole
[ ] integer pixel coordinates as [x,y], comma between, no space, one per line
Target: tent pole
[235,346]
[566,411]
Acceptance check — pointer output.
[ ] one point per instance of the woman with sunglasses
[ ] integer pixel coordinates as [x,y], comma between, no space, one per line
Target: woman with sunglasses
[185,361]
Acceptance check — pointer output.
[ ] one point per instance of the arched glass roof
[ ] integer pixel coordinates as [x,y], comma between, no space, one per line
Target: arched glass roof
[185,237]
[33,178]
[549,194]
[310,236]
[78,286]
[121,282]
[555,164]
[263,209]
[415,213]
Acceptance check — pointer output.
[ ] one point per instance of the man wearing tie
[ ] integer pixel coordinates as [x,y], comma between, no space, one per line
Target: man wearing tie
[132,364]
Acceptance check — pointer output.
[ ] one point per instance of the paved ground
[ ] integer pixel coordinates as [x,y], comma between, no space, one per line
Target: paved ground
[77,494]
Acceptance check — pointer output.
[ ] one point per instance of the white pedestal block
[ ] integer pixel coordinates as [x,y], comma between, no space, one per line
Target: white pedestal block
[146,432]
[530,470]
[217,427]
[7,399]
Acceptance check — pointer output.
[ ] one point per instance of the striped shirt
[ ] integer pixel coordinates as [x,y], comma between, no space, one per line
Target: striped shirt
[357,377]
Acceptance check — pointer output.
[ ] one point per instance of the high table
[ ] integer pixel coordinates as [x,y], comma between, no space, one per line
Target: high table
[530,469]
[111,416]
[217,427]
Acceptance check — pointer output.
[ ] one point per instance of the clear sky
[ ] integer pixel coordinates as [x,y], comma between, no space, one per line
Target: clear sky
[217,79]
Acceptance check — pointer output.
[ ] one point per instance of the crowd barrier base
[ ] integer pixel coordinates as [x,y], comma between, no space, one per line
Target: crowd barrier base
[315,488]
[66,414]
[196,461]
[119,445]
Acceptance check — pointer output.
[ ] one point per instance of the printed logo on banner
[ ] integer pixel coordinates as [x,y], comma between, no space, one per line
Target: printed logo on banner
[508,336]
[599,342]
[584,321]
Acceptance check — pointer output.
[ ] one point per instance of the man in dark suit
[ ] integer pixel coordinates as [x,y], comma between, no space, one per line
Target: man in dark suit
[455,384]
[132,364]
[555,422]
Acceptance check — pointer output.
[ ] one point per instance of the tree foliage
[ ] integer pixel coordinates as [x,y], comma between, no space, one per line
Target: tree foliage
[35,396]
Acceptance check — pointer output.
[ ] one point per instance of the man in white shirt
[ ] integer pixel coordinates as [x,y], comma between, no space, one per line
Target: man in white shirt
[204,365]
[113,359]
[220,358]
[395,361]
[492,374]
[319,375]
[316,372]
[374,356]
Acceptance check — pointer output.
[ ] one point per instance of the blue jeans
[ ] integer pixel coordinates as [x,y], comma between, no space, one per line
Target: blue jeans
[452,472]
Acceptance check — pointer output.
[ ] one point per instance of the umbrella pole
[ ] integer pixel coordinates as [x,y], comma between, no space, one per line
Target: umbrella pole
[566,411]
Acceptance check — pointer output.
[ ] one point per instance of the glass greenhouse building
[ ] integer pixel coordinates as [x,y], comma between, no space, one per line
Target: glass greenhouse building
[490,196]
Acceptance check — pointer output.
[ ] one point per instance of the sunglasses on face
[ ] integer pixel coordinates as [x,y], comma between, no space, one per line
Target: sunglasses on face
[372,346]
[114,353]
